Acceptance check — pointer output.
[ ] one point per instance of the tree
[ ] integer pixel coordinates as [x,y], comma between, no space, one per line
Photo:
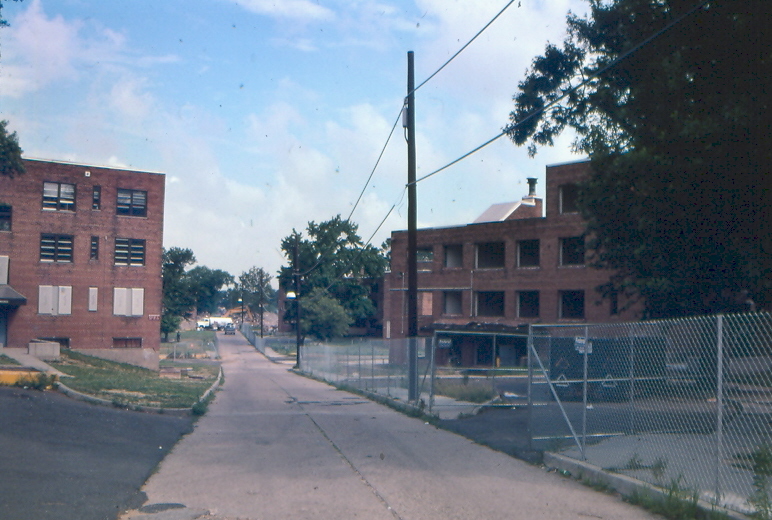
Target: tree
[205,283]
[335,259]
[10,152]
[323,316]
[178,298]
[677,130]
[255,289]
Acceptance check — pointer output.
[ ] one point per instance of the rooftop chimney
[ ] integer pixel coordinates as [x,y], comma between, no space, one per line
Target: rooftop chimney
[531,186]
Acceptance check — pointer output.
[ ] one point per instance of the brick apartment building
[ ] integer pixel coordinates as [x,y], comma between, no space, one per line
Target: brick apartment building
[512,266]
[80,259]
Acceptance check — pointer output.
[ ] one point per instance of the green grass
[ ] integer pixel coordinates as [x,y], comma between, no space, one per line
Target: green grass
[6,361]
[470,391]
[130,385]
[193,344]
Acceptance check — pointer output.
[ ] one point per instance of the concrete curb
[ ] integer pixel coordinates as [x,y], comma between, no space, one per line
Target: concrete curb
[627,486]
[74,394]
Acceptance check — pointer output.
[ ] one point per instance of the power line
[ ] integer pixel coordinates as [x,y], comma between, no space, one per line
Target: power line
[589,78]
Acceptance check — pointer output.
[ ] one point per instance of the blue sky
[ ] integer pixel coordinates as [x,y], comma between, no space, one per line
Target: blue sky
[265,115]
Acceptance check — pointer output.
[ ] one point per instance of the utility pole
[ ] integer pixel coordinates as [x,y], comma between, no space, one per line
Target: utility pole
[412,265]
[296,275]
[262,301]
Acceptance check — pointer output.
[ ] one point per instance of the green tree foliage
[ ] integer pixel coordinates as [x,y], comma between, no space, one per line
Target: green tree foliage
[335,259]
[323,316]
[678,135]
[254,286]
[178,296]
[205,284]
[10,152]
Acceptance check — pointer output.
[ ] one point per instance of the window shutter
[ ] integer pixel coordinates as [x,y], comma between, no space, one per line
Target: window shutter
[120,301]
[137,302]
[4,270]
[64,300]
[46,301]
[93,298]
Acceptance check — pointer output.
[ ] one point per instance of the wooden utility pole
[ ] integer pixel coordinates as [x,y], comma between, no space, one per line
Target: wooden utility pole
[412,265]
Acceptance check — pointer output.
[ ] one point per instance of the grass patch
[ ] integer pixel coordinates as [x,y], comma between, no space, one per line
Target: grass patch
[7,361]
[193,344]
[129,385]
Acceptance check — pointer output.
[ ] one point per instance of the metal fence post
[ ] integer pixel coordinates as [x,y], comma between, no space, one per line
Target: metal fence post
[719,401]
[529,348]
[584,393]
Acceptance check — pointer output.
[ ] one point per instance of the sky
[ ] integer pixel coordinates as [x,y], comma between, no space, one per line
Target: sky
[265,115]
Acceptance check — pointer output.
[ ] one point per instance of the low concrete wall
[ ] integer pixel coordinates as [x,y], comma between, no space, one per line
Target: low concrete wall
[141,357]
[45,350]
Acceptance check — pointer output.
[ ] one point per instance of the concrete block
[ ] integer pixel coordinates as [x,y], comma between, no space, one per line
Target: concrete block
[45,350]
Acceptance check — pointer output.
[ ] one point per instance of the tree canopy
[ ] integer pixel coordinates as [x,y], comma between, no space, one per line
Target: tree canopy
[670,100]
[335,261]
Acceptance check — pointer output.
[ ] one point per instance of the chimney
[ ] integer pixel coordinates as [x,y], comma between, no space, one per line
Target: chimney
[531,186]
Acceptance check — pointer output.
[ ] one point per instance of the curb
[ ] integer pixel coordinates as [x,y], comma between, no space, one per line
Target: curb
[627,486]
[79,396]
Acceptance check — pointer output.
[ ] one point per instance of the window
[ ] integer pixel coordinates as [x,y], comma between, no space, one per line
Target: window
[54,300]
[425,303]
[569,193]
[451,302]
[490,255]
[490,303]
[5,262]
[94,252]
[58,196]
[132,203]
[128,301]
[93,298]
[56,248]
[572,251]
[129,251]
[572,304]
[454,256]
[127,342]
[96,198]
[528,304]
[5,217]
[528,253]
[424,255]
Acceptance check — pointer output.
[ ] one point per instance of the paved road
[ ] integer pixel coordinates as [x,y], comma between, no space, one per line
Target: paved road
[275,445]
[62,459]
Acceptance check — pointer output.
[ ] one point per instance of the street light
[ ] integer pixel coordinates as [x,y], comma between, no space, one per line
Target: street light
[295,295]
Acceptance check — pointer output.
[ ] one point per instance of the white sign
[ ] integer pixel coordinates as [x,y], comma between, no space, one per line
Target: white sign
[583,344]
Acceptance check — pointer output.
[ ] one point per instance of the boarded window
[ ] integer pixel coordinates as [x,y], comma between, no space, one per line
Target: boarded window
[55,248]
[528,304]
[490,255]
[54,300]
[132,203]
[93,298]
[128,301]
[528,253]
[425,302]
[127,342]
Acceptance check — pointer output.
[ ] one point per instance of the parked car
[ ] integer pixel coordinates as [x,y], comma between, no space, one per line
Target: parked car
[230,329]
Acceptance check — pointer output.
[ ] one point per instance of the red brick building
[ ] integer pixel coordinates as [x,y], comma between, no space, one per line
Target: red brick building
[514,265]
[80,259]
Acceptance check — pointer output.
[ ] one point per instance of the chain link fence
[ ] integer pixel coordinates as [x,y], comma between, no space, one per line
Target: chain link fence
[683,403]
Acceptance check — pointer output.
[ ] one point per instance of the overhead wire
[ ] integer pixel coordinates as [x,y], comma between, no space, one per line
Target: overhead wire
[589,78]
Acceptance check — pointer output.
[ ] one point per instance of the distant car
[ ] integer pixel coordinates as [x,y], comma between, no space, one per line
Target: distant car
[230,329]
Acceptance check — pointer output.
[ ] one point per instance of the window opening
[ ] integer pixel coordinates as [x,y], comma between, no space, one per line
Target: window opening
[490,255]
[528,304]
[454,256]
[132,203]
[490,303]
[58,196]
[572,251]
[528,253]
[55,248]
[572,304]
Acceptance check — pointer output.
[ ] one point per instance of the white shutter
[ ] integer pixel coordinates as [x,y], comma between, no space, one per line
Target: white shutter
[93,298]
[4,270]
[137,302]
[46,301]
[120,301]
[64,298]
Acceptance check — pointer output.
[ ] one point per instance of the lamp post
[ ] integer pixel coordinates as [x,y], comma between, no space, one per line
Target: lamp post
[295,295]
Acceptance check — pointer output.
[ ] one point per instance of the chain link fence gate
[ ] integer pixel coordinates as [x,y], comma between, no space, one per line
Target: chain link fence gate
[684,403]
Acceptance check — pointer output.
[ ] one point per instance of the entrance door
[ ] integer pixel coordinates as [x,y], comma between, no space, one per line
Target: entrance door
[3,325]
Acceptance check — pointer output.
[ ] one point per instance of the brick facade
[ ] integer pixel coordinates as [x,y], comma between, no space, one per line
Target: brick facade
[522,268]
[88,262]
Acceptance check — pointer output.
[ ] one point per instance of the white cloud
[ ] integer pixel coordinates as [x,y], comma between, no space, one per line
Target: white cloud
[299,10]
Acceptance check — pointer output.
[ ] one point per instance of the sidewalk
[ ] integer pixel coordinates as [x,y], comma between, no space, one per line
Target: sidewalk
[20,355]
[276,445]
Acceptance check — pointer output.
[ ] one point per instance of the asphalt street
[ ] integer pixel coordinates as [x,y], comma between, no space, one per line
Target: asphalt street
[276,445]
[62,459]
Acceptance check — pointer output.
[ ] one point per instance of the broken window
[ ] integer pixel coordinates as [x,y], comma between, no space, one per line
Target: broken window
[490,255]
